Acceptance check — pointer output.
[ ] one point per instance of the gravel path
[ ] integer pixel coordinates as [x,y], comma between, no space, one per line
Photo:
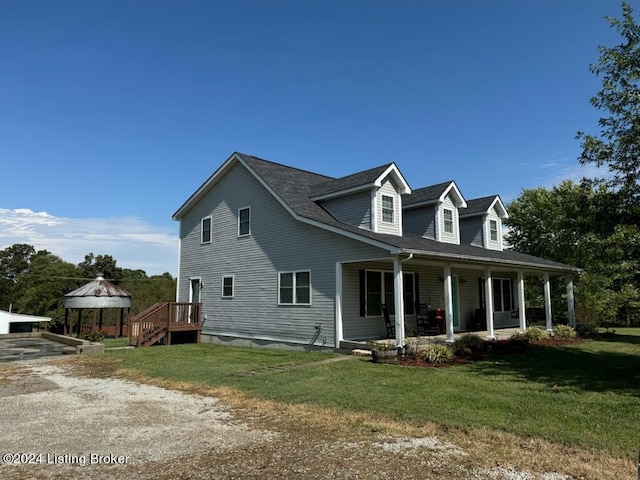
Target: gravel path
[108,428]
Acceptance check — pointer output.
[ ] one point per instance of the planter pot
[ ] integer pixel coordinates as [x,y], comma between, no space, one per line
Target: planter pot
[384,356]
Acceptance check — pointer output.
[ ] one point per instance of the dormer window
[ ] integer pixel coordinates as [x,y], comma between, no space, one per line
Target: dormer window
[448,220]
[493,230]
[387,209]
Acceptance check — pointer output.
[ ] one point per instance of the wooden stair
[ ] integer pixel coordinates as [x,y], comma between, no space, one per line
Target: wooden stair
[151,335]
[161,320]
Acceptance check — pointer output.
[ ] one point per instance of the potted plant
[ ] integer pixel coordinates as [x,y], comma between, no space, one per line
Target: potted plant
[384,352]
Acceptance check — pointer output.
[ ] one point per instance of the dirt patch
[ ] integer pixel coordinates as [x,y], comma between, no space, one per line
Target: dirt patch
[186,431]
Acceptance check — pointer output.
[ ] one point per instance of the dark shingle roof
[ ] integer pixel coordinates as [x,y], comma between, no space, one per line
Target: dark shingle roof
[477,206]
[425,194]
[296,188]
[351,181]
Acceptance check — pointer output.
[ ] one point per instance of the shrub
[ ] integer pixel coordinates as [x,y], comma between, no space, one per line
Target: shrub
[530,335]
[94,336]
[437,354]
[586,330]
[564,332]
[468,344]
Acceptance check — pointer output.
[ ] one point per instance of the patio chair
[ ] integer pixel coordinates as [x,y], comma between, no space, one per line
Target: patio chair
[391,327]
[426,324]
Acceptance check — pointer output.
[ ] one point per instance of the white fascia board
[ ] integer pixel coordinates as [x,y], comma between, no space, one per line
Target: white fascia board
[403,186]
[500,208]
[391,248]
[459,199]
[205,187]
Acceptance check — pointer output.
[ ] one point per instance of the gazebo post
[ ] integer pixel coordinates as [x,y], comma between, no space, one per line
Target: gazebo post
[100,321]
[79,322]
[121,320]
[66,322]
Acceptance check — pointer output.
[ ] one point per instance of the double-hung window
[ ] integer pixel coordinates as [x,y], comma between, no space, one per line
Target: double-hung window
[205,230]
[387,209]
[493,230]
[502,295]
[294,288]
[244,221]
[448,220]
[380,290]
[227,286]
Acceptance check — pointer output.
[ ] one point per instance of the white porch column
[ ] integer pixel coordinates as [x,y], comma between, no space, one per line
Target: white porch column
[571,309]
[547,303]
[521,306]
[488,302]
[339,334]
[399,301]
[448,303]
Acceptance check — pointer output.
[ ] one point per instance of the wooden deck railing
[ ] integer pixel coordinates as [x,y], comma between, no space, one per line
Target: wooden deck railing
[162,318]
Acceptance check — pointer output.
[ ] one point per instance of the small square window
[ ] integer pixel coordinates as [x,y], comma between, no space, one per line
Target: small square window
[227,287]
[244,221]
[205,230]
[448,220]
[387,209]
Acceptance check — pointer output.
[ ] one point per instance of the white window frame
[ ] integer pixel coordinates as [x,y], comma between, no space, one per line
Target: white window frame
[240,234]
[233,286]
[445,221]
[202,230]
[387,209]
[293,274]
[491,231]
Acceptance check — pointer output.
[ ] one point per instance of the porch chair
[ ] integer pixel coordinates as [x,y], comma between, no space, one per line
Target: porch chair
[425,324]
[391,327]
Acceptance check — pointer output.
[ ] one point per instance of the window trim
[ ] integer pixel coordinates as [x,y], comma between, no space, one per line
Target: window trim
[387,209]
[491,231]
[202,230]
[240,234]
[294,288]
[449,221]
[233,286]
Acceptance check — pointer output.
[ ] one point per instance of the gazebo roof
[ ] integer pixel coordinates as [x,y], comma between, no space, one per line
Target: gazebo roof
[98,293]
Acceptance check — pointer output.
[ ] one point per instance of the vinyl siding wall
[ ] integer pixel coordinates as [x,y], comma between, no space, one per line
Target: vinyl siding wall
[491,244]
[353,209]
[420,221]
[277,243]
[444,236]
[471,231]
[389,189]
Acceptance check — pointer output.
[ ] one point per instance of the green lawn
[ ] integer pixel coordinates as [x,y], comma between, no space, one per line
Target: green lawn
[585,394]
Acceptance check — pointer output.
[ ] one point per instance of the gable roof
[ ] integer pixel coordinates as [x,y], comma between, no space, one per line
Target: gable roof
[360,181]
[434,194]
[482,206]
[294,189]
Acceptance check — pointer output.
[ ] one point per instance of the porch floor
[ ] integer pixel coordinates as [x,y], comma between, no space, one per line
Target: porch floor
[500,334]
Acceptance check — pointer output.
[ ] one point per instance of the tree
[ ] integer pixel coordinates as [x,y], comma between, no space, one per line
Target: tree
[104,265]
[618,144]
[574,224]
[13,261]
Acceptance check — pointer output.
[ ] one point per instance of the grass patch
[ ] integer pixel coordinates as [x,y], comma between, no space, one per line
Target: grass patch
[115,342]
[586,394]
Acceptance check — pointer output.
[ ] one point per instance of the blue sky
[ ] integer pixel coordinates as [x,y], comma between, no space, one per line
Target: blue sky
[113,113]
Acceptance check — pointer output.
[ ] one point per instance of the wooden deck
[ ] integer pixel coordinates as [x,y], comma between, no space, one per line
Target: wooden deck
[158,323]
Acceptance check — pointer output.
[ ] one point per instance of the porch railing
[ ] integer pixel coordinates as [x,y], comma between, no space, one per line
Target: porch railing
[152,324]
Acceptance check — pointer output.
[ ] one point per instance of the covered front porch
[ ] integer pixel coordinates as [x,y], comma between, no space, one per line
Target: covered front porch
[461,296]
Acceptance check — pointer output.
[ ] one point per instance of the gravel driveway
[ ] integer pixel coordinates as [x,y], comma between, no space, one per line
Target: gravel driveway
[57,425]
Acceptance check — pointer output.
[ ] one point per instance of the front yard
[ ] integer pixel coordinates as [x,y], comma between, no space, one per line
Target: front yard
[583,396]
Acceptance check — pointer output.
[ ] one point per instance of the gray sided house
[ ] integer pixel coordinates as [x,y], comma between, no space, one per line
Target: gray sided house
[282,256]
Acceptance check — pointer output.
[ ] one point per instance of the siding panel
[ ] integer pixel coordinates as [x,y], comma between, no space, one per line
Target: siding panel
[420,221]
[353,209]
